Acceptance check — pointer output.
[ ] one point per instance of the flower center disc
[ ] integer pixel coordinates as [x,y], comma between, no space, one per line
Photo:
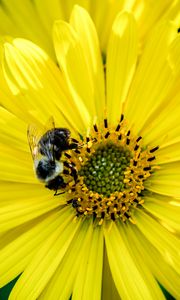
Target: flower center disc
[104,171]
[111,166]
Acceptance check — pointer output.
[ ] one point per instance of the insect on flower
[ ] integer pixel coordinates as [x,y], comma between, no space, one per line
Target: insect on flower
[47,148]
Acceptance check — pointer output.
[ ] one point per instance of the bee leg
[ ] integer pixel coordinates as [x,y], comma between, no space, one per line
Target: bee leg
[57,194]
[73,146]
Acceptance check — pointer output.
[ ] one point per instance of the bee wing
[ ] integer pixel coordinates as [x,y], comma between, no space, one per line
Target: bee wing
[36,142]
[49,124]
[34,135]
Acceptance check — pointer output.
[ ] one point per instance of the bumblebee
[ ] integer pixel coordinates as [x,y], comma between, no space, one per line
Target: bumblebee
[46,152]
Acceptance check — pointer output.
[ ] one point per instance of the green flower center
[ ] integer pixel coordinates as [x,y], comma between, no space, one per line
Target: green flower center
[104,171]
[111,165]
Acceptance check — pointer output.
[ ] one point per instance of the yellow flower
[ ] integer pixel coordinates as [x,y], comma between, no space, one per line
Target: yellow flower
[113,232]
[34,19]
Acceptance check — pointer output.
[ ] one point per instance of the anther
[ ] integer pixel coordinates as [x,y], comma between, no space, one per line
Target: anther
[103,215]
[118,127]
[138,139]
[154,149]
[127,141]
[77,151]
[128,133]
[134,163]
[87,139]
[127,216]
[95,128]
[113,217]
[105,123]
[95,207]
[151,158]
[147,169]
[136,147]
[107,134]
[122,118]
[74,140]
[119,137]
[67,155]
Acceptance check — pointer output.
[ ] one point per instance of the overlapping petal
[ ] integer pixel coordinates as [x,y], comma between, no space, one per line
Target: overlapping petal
[121,62]
[38,235]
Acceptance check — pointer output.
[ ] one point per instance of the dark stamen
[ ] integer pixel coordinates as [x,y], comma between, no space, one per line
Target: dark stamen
[118,127]
[103,215]
[77,151]
[127,141]
[95,128]
[66,164]
[87,139]
[154,149]
[134,163]
[107,134]
[105,123]
[138,139]
[151,158]
[119,137]
[74,140]
[122,117]
[128,133]
[147,169]
[113,217]
[136,147]
[67,155]
[127,216]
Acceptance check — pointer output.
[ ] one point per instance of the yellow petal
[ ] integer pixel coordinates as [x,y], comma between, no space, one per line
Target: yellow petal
[121,61]
[168,153]
[45,261]
[156,262]
[156,292]
[48,11]
[148,14]
[163,127]
[74,66]
[19,245]
[19,203]
[16,166]
[166,209]
[104,15]
[24,22]
[109,290]
[13,131]
[166,180]
[32,75]
[83,25]
[89,278]
[62,282]
[165,242]
[128,276]
[155,75]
